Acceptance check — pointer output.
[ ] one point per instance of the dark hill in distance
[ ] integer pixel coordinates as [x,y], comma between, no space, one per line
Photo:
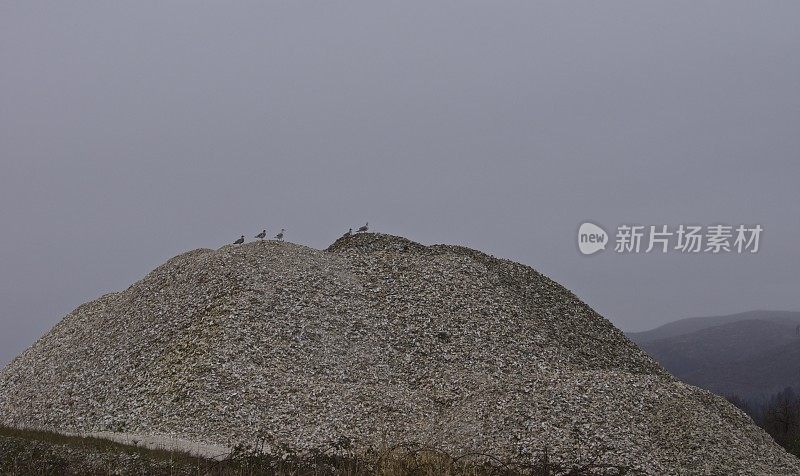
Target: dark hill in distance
[752,355]
[694,324]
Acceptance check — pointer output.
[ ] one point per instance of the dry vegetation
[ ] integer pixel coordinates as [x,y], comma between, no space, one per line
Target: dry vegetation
[24,452]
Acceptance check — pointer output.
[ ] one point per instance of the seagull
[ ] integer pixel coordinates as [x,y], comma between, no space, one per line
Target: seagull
[364,228]
[239,241]
[279,236]
[348,233]
[261,235]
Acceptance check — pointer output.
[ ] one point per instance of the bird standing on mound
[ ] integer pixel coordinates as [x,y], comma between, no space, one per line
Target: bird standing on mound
[279,236]
[364,228]
[261,235]
[347,233]
[239,241]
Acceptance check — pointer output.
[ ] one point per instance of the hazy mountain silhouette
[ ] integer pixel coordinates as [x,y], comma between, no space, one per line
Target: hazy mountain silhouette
[752,354]
[693,324]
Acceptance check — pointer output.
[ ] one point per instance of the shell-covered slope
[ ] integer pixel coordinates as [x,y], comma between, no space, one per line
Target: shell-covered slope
[377,340]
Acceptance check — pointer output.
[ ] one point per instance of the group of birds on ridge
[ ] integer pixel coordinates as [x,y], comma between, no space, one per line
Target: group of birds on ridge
[279,236]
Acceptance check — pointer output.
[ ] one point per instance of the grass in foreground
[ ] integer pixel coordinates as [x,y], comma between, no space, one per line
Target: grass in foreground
[24,452]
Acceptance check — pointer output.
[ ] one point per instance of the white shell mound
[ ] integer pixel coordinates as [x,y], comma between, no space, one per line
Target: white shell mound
[375,341]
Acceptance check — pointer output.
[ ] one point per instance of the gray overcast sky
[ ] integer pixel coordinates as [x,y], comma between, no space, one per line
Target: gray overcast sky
[133,131]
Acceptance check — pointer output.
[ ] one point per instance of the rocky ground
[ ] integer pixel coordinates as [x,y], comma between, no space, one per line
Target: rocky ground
[375,341]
